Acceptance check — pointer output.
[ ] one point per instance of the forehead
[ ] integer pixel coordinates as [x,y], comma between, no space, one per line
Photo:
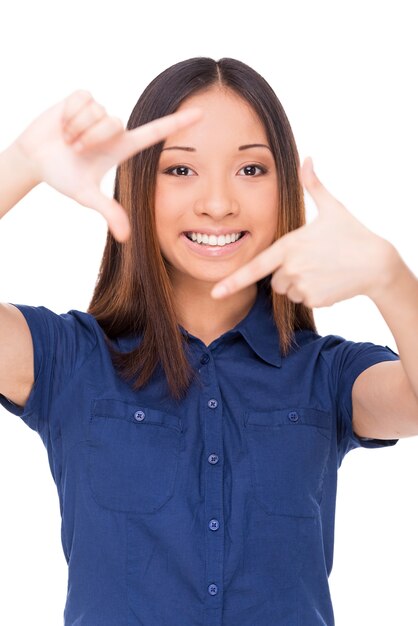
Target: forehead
[227,118]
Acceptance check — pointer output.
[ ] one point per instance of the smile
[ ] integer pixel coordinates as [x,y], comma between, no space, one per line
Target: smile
[217,246]
[214,240]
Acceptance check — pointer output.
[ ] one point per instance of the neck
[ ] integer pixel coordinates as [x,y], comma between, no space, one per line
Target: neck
[206,318]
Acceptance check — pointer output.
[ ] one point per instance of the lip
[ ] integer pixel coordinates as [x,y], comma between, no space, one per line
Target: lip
[214,251]
[216,231]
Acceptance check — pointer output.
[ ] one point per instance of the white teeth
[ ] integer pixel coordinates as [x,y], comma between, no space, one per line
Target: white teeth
[213,240]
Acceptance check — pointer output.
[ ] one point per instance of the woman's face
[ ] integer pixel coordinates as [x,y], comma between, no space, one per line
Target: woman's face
[216,198]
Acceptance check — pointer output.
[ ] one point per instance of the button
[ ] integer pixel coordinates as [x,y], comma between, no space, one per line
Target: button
[139,416]
[205,358]
[293,416]
[213,458]
[212,404]
[213,589]
[214,524]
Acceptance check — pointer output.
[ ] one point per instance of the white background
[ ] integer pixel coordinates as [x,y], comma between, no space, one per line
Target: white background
[345,73]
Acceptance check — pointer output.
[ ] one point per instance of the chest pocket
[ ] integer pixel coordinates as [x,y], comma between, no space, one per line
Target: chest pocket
[133,456]
[288,451]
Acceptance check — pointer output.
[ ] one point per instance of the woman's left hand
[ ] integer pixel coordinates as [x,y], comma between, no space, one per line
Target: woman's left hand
[333,258]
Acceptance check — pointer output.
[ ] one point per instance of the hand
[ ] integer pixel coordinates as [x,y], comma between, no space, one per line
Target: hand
[74,143]
[333,258]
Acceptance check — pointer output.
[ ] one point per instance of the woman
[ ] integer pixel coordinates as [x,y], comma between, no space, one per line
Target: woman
[193,417]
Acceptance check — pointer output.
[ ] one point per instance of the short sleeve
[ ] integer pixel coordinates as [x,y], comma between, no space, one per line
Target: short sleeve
[61,343]
[347,360]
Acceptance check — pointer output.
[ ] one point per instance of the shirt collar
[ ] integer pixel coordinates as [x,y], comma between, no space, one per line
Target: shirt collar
[258,328]
[260,331]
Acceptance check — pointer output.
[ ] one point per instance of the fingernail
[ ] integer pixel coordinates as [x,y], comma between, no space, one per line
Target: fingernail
[219,291]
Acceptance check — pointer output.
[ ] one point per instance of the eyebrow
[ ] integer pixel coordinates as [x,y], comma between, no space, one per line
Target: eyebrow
[254,145]
[245,147]
[187,148]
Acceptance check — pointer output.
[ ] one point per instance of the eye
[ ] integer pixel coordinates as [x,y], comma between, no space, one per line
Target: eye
[253,170]
[179,170]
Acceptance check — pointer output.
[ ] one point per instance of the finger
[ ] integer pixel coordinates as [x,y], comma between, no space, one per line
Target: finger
[114,214]
[323,199]
[280,282]
[157,130]
[74,103]
[104,130]
[294,294]
[87,117]
[262,265]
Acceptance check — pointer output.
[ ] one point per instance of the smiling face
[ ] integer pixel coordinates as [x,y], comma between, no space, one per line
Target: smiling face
[216,202]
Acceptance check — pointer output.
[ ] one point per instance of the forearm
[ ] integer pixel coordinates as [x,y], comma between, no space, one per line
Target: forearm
[16,178]
[397,301]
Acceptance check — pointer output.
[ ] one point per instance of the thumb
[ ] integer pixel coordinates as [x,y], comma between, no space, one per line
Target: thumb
[114,214]
[323,199]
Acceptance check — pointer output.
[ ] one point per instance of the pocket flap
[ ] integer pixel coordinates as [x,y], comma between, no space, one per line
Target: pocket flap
[294,416]
[136,413]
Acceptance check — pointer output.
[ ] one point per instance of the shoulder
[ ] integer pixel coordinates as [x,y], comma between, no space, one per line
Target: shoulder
[310,340]
[74,330]
[337,351]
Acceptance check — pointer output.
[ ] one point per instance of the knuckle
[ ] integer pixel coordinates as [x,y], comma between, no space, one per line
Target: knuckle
[154,134]
[81,95]
[289,268]
[98,109]
[157,130]
[74,104]
[116,123]
[308,299]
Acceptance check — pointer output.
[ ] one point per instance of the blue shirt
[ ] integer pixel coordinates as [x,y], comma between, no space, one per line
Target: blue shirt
[214,511]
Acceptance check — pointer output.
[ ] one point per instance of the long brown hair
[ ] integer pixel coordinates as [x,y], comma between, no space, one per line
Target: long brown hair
[133,294]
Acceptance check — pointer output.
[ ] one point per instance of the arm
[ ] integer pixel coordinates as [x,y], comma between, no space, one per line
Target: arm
[17,178]
[385,396]
[47,151]
[335,258]
[16,355]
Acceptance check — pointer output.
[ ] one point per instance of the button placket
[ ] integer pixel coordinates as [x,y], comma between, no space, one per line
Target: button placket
[212,409]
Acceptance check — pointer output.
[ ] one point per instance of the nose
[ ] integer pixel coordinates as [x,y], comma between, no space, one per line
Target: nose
[216,200]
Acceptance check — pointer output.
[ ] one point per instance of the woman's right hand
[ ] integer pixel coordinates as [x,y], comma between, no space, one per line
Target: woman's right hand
[74,143]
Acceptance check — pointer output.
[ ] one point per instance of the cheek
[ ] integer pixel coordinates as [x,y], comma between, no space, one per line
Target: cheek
[165,211]
[267,217]
[171,202]
[162,222]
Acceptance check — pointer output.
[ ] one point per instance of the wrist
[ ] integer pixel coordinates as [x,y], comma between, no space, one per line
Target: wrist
[22,165]
[391,269]
[18,176]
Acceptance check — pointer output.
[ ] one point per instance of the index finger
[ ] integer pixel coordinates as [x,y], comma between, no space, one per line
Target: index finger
[157,130]
[260,266]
